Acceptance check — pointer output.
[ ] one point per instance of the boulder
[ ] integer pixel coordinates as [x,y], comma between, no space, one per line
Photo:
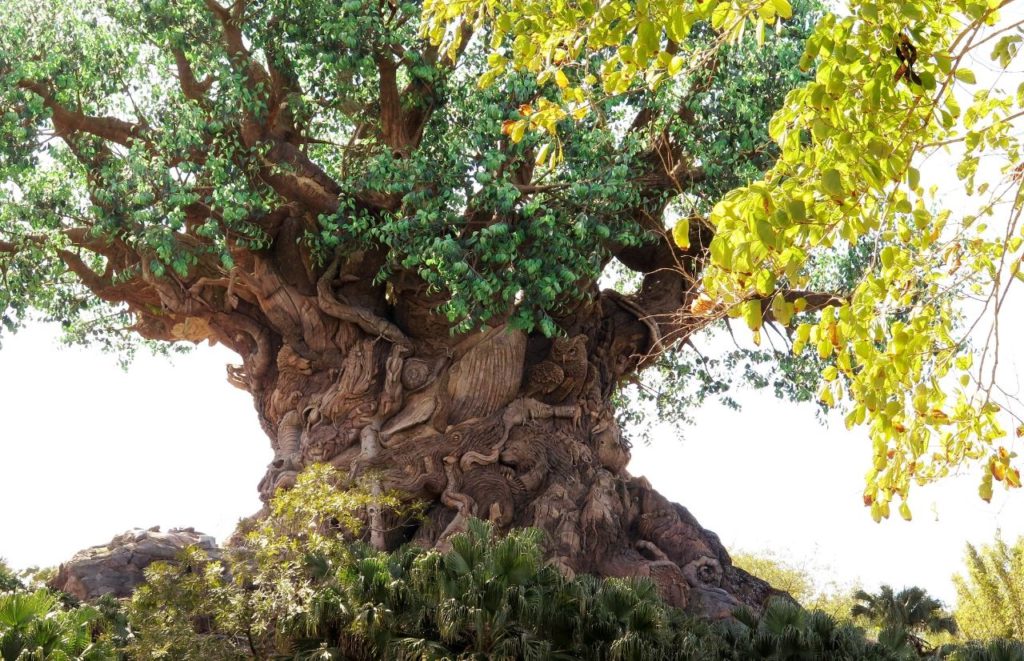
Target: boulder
[116,568]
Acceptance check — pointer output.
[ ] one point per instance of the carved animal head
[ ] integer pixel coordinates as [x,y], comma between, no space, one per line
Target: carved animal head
[703,571]
[569,349]
[288,360]
[606,438]
[323,442]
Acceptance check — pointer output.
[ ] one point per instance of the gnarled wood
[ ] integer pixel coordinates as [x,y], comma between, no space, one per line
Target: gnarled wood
[488,429]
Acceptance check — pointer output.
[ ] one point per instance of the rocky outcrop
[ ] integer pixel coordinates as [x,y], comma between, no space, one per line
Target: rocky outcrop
[116,568]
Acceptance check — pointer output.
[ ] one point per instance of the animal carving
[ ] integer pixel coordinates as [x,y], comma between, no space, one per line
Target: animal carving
[487,377]
[562,374]
[287,460]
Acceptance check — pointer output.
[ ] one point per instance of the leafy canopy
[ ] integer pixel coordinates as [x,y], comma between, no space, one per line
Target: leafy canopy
[151,148]
[911,348]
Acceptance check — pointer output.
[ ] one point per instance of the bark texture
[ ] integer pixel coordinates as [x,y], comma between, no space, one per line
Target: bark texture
[500,425]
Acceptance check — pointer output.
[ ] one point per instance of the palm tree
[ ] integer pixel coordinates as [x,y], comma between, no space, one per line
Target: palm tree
[33,625]
[999,649]
[904,616]
[787,632]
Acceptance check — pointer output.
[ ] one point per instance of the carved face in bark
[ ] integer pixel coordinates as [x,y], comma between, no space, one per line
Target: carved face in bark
[475,431]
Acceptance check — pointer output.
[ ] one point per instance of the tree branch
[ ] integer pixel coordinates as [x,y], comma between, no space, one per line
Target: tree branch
[67,121]
[365,319]
[192,88]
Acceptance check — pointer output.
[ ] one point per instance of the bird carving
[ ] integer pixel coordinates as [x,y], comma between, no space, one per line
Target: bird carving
[562,374]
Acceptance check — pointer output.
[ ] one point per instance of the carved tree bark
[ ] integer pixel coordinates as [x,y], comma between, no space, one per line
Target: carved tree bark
[500,425]
[515,428]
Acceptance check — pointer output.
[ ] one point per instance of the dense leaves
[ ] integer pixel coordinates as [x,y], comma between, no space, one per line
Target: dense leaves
[852,144]
[34,626]
[990,593]
[319,596]
[489,161]
[903,618]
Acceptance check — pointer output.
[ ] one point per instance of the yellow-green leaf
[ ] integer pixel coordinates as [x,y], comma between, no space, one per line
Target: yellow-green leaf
[966,75]
[681,233]
[832,182]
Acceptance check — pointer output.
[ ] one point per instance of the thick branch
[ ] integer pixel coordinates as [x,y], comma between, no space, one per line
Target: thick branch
[391,127]
[69,121]
[234,43]
[192,88]
[94,281]
[365,319]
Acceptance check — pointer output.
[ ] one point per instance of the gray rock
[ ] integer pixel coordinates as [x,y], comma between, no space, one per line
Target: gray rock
[116,568]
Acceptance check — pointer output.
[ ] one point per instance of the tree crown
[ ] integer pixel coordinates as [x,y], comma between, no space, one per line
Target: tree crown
[187,170]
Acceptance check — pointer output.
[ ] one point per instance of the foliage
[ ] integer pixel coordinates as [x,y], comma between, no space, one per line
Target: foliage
[795,581]
[170,615]
[293,592]
[903,618]
[852,142]
[787,631]
[994,650]
[798,580]
[990,594]
[33,625]
[326,596]
[301,587]
[9,580]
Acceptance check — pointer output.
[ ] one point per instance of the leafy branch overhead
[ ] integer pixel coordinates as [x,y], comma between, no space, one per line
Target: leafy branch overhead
[289,177]
[912,346]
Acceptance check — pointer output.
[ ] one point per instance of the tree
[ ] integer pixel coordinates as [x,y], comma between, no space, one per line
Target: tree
[32,625]
[798,582]
[399,215]
[9,581]
[990,595]
[904,616]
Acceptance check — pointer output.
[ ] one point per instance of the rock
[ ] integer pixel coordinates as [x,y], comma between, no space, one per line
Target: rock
[116,568]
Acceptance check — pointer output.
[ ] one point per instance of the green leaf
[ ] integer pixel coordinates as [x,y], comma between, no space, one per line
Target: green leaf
[675,65]
[648,36]
[913,178]
[966,75]
[681,233]
[783,8]
[832,182]
[751,312]
[765,282]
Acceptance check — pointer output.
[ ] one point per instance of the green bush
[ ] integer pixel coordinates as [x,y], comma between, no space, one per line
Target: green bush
[300,587]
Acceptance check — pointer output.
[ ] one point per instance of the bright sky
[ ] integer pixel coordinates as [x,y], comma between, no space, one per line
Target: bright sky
[89,451]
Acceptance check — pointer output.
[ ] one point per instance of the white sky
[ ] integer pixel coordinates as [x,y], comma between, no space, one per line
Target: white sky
[87,451]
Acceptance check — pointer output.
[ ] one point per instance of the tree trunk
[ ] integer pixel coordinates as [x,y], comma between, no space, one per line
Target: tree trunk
[502,425]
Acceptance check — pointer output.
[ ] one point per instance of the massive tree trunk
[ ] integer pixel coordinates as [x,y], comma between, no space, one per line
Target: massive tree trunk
[501,425]
[513,427]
